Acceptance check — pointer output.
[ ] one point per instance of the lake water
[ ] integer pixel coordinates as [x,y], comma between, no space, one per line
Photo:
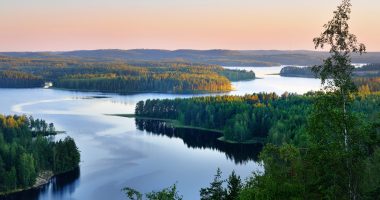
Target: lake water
[118,152]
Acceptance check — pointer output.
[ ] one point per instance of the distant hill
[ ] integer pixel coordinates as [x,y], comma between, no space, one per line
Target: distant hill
[366,71]
[218,57]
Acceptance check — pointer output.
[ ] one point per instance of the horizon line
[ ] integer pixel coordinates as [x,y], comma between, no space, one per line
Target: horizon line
[169,50]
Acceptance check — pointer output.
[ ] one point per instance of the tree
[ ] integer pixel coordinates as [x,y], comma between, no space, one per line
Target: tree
[132,194]
[215,191]
[335,137]
[169,193]
[51,128]
[234,186]
[26,170]
[165,194]
[371,183]
[25,153]
[283,176]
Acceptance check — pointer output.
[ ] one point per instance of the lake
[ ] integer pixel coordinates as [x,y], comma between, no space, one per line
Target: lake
[118,152]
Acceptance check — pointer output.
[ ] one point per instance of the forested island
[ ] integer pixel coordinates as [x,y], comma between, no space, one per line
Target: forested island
[29,157]
[367,71]
[118,77]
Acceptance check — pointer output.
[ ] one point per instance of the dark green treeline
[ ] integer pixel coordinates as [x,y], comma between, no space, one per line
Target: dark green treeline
[118,77]
[26,150]
[277,119]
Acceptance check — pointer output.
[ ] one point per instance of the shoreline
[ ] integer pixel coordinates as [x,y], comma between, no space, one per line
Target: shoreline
[177,124]
[172,122]
[42,179]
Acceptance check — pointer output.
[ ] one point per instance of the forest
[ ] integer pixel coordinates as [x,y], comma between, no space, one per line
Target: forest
[27,149]
[366,78]
[366,71]
[304,156]
[118,77]
[15,79]
[249,118]
[327,149]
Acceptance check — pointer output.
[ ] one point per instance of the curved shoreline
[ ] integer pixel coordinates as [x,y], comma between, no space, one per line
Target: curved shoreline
[42,179]
[177,124]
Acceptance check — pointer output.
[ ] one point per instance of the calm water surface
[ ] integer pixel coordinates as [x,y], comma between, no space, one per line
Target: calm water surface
[118,152]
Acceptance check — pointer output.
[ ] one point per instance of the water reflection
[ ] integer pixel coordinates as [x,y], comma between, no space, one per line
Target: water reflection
[201,139]
[59,187]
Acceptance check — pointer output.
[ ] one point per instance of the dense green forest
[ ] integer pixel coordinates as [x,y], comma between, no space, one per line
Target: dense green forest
[119,77]
[291,71]
[328,147]
[277,119]
[27,149]
[15,79]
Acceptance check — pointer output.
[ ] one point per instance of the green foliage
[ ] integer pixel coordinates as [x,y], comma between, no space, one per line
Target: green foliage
[66,155]
[237,75]
[132,194]
[234,186]
[371,177]
[241,118]
[283,177]
[217,191]
[26,170]
[119,77]
[165,194]
[267,116]
[339,158]
[338,146]
[15,79]
[25,151]
[169,193]
[336,134]
[290,71]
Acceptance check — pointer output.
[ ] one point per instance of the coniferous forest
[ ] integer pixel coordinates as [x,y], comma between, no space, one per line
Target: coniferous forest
[251,118]
[328,147]
[323,144]
[27,150]
[118,77]
[366,78]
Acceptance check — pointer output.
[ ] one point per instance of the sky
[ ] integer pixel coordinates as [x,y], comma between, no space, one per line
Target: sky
[53,25]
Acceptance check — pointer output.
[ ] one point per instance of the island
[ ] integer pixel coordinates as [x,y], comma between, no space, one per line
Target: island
[366,78]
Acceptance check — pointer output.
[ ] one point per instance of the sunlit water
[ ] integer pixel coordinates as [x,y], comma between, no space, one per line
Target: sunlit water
[115,154]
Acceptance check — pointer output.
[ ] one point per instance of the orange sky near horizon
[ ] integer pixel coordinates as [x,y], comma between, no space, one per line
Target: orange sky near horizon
[45,25]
